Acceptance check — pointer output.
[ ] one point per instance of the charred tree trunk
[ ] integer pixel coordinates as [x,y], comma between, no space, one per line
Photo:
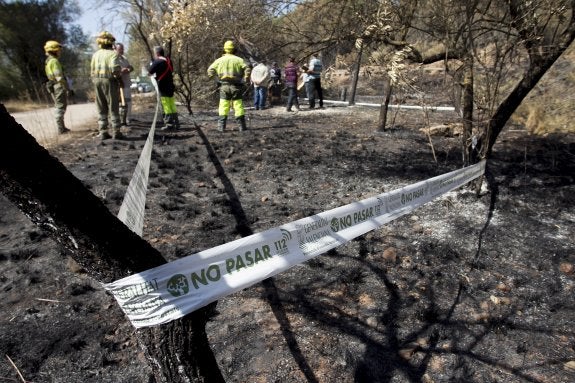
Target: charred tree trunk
[382,121]
[467,109]
[542,55]
[41,187]
[355,76]
[179,351]
[185,88]
[497,122]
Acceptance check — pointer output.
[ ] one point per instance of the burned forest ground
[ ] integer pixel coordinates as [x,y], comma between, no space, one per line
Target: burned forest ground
[468,288]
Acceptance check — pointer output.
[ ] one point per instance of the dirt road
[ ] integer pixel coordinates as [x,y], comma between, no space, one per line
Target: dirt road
[41,124]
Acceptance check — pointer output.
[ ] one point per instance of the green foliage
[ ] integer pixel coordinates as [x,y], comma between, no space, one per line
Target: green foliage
[9,80]
[24,28]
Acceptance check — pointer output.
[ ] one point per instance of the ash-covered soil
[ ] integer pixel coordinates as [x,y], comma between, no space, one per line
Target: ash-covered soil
[468,288]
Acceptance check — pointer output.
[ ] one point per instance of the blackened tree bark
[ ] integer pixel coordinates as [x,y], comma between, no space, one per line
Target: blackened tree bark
[542,54]
[355,75]
[41,187]
[382,120]
[467,86]
[467,109]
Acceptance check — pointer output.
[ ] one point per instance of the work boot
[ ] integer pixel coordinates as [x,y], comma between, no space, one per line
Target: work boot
[176,121]
[118,135]
[222,123]
[242,121]
[104,135]
[61,125]
[168,122]
[123,115]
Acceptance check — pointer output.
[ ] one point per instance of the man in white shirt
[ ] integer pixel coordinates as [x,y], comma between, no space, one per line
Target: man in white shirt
[260,78]
[314,71]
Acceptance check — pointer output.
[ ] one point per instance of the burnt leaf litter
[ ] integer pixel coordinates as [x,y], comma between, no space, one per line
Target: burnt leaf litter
[467,288]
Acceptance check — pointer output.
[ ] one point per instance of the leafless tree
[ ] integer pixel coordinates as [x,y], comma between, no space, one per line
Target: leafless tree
[498,50]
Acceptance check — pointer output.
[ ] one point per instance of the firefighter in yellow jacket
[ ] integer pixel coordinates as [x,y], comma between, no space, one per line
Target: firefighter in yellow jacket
[57,84]
[233,74]
[105,71]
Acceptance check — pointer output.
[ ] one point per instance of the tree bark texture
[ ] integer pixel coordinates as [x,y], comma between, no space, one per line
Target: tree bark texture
[55,200]
[355,76]
[512,102]
[383,109]
[467,115]
[542,56]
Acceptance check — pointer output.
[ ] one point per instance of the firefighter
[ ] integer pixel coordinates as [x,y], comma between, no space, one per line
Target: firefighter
[105,71]
[162,70]
[233,74]
[57,84]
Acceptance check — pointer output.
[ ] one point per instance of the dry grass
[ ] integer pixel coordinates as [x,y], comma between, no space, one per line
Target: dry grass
[16,106]
[554,116]
[549,107]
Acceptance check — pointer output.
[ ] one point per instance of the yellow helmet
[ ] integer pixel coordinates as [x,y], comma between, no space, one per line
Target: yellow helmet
[52,46]
[105,38]
[229,46]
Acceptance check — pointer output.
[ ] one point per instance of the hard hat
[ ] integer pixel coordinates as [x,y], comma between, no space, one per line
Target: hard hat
[229,46]
[105,38]
[52,46]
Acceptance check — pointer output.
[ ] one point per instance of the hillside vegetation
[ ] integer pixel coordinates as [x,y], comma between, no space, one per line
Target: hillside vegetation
[549,107]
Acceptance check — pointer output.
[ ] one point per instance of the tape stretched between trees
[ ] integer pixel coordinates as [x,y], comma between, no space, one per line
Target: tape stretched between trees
[173,290]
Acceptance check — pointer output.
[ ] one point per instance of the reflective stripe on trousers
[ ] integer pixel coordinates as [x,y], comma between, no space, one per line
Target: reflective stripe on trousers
[225,105]
[168,105]
[231,96]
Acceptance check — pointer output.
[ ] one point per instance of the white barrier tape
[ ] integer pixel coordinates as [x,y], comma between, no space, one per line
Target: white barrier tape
[392,106]
[170,291]
[133,206]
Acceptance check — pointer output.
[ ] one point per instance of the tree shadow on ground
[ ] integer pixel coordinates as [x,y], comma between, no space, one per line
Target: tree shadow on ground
[271,293]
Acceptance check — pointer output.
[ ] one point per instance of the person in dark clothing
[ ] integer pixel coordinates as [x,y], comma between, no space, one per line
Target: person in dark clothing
[161,68]
[275,74]
[275,89]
